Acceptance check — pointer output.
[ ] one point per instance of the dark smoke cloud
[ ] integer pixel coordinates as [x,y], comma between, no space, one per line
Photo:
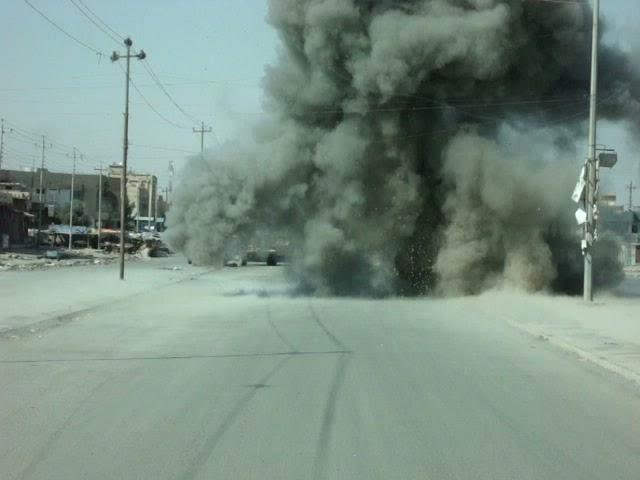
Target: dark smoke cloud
[384,162]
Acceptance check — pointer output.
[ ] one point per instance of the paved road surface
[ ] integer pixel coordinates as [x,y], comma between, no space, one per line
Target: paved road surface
[220,376]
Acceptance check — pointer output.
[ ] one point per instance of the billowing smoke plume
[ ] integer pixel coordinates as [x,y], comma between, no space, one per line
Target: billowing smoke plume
[384,163]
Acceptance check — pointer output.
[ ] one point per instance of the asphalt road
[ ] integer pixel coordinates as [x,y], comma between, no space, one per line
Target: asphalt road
[222,376]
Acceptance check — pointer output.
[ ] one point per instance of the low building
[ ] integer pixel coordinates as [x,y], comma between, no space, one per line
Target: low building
[625,224]
[15,219]
[53,201]
[142,193]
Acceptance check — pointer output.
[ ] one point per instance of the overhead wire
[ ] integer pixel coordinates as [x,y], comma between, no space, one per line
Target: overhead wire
[95,15]
[59,151]
[148,103]
[58,27]
[81,8]
[157,81]
[98,26]
[34,136]
[153,147]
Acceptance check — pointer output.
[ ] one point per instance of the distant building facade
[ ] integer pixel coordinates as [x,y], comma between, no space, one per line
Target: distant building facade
[142,197]
[15,219]
[625,224]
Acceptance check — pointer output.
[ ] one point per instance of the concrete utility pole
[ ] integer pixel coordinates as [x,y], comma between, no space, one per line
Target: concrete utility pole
[589,226]
[202,131]
[99,205]
[73,177]
[155,210]
[149,191]
[138,207]
[1,140]
[631,187]
[172,172]
[125,146]
[166,201]
[40,196]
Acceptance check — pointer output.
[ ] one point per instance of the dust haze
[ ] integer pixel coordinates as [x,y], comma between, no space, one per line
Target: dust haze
[413,147]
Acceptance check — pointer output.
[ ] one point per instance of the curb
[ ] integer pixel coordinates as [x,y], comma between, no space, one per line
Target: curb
[581,353]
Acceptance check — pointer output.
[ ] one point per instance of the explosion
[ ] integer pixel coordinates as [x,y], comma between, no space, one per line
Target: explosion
[399,155]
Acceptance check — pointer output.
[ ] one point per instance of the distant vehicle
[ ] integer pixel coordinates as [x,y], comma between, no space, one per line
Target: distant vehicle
[272,258]
[235,261]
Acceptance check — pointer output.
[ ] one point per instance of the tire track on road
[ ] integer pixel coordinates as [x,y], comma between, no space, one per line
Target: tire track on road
[335,340]
[279,333]
[57,433]
[335,387]
[328,417]
[201,458]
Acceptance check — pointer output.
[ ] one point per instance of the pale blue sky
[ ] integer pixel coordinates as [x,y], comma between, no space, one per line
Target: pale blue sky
[210,54]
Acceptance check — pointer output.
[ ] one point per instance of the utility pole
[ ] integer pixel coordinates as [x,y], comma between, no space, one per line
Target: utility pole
[33,172]
[125,145]
[138,208]
[631,187]
[590,224]
[166,201]
[149,192]
[40,196]
[172,172]
[99,205]
[1,141]
[202,131]
[73,176]
[155,209]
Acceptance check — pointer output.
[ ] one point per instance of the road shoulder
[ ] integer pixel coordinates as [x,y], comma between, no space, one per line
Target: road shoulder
[605,333]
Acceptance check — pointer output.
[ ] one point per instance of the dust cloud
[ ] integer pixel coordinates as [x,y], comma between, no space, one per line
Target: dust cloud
[413,147]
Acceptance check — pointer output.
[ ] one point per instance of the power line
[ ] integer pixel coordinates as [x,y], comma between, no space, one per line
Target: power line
[100,20]
[33,136]
[15,151]
[157,81]
[171,84]
[154,147]
[73,2]
[148,103]
[54,24]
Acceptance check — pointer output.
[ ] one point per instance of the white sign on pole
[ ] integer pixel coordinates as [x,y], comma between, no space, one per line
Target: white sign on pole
[579,190]
[581,216]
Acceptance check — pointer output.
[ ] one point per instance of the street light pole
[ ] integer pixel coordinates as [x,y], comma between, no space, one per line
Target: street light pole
[125,146]
[589,226]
